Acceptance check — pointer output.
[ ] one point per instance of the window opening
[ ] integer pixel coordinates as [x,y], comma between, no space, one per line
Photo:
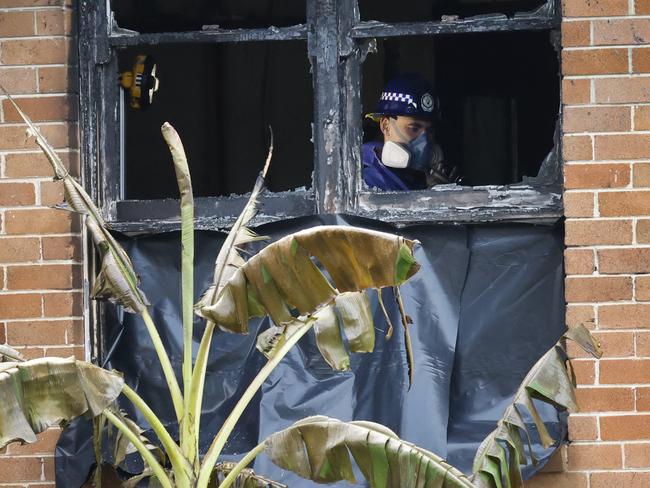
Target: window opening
[498,93]
[222,98]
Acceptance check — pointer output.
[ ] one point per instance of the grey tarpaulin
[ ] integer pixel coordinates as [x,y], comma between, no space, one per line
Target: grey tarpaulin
[486,304]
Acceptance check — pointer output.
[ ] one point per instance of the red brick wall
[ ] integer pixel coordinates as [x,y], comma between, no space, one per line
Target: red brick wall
[40,270]
[606,99]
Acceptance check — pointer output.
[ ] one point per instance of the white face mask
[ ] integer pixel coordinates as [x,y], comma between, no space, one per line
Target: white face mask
[416,154]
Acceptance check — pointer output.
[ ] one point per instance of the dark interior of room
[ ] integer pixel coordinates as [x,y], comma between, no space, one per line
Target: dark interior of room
[499,97]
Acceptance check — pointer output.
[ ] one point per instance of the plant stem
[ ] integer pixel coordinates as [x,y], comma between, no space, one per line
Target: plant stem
[146,454]
[180,465]
[198,376]
[219,441]
[168,371]
[245,461]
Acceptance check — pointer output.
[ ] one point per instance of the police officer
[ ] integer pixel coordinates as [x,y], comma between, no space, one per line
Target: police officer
[409,158]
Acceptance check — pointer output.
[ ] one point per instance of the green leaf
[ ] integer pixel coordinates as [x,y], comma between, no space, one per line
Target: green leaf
[283,277]
[41,392]
[321,449]
[500,456]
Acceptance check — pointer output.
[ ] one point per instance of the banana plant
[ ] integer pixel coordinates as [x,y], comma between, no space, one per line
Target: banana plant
[283,282]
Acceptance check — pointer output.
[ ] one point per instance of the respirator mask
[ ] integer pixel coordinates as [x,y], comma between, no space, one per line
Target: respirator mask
[417,154]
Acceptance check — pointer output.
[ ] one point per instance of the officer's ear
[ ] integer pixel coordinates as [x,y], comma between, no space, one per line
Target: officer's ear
[384,125]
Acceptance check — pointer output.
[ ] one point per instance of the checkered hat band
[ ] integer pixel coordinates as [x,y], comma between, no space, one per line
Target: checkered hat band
[397,97]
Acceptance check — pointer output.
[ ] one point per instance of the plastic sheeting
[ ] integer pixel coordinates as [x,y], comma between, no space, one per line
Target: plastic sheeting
[486,304]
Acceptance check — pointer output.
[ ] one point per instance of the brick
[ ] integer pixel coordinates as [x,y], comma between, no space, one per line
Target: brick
[69,304]
[16,194]
[21,165]
[59,136]
[642,344]
[579,261]
[621,31]
[615,203]
[558,480]
[620,480]
[590,232]
[622,90]
[578,204]
[594,61]
[13,24]
[642,117]
[52,193]
[594,456]
[605,400]
[66,352]
[642,399]
[597,119]
[18,80]
[20,469]
[20,305]
[594,8]
[19,249]
[641,174]
[577,148]
[54,22]
[593,176]
[641,60]
[580,314]
[31,3]
[628,316]
[44,445]
[598,288]
[50,332]
[42,109]
[68,247]
[624,260]
[34,51]
[624,371]
[41,221]
[57,79]
[48,276]
[585,371]
[637,455]
[583,428]
[576,33]
[642,7]
[613,344]
[642,288]
[576,91]
[622,146]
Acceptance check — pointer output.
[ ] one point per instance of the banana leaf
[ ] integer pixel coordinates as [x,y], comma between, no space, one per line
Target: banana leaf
[283,278]
[41,392]
[321,449]
[10,354]
[117,281]
[500,456]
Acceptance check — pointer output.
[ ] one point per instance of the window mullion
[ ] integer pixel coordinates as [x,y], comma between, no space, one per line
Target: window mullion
[324,53]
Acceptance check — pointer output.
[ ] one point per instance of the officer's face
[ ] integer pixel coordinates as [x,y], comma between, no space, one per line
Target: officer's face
[403,128]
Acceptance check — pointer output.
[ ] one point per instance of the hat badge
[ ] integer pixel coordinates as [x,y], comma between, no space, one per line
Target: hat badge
[427,102]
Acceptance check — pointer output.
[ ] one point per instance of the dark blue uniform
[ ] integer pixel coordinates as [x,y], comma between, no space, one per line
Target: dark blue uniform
[376,175]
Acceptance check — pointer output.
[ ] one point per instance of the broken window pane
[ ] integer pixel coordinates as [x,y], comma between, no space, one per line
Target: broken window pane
[189,15]
[418,11]
[498,93]
[222,99]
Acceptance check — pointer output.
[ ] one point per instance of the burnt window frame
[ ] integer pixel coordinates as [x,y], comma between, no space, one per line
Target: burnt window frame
[337,44]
